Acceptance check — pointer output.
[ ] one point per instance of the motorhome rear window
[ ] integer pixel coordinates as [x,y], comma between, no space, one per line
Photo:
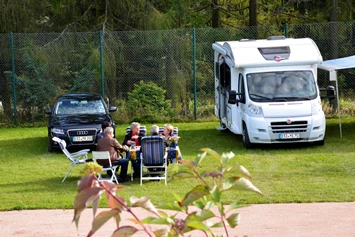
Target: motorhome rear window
[271,53]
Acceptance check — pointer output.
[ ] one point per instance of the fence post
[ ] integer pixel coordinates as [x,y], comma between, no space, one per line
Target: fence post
[194,67]
[13,76]
[286,30]
[101,67]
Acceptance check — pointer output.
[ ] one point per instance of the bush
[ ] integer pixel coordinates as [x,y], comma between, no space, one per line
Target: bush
[148,100]
[203,197]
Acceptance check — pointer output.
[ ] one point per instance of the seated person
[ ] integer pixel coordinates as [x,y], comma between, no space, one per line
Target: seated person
[135,136]
[108,143]
[104,125]
[154,130]
[168,134]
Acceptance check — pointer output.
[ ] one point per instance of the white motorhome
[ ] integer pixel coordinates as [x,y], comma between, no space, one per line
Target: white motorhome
[266,90]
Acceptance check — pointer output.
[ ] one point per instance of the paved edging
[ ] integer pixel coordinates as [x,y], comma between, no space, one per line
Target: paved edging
[311,219]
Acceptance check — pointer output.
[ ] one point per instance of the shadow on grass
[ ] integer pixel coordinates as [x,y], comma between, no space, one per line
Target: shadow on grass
[32,146]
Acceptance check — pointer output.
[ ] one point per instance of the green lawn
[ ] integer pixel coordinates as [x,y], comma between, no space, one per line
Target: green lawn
[31,177]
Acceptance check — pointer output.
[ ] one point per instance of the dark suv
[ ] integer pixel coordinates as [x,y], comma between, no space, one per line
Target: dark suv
[77,119]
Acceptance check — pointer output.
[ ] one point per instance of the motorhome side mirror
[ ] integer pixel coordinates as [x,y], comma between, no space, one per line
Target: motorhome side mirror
[232,97]
[330,92]
[48,111]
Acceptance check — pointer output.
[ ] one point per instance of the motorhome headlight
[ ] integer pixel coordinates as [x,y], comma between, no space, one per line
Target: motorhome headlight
[316,107]
[57,130]
[255,110]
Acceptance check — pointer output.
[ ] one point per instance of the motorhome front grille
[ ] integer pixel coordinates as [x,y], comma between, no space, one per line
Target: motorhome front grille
[293,127]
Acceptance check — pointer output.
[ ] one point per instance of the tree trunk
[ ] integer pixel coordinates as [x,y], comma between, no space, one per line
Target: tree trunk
[215,14]
[252,13]
[334,14]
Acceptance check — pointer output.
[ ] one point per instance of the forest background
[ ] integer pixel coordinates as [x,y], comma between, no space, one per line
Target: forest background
[49,33]
[31,16]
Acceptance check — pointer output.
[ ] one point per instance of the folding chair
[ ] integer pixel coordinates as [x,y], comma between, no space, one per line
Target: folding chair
[105,155]
[143,131]
[75,158]
[153,156]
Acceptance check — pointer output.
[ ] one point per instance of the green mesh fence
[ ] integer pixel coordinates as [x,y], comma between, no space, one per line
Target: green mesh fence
[45,65]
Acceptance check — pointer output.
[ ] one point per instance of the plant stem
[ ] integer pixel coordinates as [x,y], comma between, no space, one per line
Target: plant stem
[129,209]
[223,219]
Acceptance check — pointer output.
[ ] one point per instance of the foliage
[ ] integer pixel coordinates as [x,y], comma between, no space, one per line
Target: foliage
[204,197]
[92,168]
[148,99]
[173,140]
[80,16]
[35,87]
[84,81]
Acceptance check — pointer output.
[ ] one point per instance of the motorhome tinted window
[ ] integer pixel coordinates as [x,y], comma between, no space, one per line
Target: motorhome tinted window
[283,86]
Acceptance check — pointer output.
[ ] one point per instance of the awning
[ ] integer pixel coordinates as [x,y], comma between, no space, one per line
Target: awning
[337,64]
[332,66]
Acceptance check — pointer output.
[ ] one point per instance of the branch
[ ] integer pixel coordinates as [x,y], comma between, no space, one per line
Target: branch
[67,27]
[281,9]
[105,21]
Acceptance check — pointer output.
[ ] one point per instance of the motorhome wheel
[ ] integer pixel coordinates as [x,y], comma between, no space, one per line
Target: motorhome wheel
[246,142]
[319,143]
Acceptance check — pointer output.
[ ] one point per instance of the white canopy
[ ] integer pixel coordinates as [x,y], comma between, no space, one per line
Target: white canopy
[332,66]
[337,64]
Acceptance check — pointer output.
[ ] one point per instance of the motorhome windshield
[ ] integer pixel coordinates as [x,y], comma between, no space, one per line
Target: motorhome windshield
[281,86]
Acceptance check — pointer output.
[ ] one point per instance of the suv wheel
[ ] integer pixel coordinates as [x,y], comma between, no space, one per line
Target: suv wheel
[50,147]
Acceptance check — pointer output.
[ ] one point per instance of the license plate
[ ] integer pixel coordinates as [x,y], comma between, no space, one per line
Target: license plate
[289,136]
[83,139]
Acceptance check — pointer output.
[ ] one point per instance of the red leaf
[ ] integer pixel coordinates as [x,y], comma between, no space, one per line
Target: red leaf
[86,182]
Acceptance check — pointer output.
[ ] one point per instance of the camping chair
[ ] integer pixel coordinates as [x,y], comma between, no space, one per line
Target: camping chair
[76,158]
[153,156]
[105,155]
[175,131]
[143,131]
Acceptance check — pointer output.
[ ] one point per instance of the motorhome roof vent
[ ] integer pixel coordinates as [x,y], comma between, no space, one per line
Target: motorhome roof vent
[278,37]
[275,53]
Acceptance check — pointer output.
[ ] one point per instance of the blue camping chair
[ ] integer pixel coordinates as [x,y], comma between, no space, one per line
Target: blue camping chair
[153,159]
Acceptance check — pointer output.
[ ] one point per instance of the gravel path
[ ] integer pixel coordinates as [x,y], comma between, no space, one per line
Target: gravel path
[313,219]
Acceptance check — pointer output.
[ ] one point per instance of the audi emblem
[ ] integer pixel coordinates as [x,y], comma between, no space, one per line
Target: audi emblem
[289,121]
[82,133]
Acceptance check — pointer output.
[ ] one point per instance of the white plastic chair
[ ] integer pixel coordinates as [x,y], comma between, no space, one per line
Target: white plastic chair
[75,158]
[153,157]
[105,155]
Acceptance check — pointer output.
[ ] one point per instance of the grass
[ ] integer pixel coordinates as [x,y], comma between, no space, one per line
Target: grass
[31,177]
